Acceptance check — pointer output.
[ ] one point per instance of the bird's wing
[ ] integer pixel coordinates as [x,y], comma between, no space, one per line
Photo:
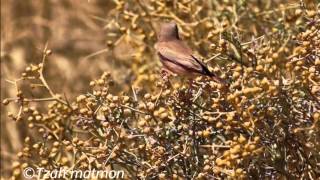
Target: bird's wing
[180,55]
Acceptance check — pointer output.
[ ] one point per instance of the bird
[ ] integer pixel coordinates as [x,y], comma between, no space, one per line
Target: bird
[177,57]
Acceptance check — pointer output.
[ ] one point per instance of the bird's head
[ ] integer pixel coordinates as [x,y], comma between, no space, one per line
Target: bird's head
[168,31]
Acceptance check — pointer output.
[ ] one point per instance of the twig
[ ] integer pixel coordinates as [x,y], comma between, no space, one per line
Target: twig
[215,146]
[33,100]
[212,58]
[45,54]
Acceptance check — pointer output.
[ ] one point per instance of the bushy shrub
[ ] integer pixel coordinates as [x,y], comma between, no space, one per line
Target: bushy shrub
[264,125]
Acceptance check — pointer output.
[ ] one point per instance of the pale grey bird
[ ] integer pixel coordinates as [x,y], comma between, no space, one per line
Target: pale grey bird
[177,57]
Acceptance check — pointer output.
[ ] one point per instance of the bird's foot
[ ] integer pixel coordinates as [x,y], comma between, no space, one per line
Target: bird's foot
[190,86]
[165,74]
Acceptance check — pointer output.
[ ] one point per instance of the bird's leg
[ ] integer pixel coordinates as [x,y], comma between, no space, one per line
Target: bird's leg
[190,87]
[190,83]
[165,74]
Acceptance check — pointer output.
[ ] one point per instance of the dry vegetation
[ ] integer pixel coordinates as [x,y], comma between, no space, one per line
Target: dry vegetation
[264,126]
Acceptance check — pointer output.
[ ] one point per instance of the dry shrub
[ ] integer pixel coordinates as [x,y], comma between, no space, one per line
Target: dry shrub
[265,125]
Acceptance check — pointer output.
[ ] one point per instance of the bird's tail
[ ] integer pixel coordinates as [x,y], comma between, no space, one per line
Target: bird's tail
[207,72]
[217,79]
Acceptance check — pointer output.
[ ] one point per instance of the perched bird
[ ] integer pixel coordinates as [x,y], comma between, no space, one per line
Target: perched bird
[177,57]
